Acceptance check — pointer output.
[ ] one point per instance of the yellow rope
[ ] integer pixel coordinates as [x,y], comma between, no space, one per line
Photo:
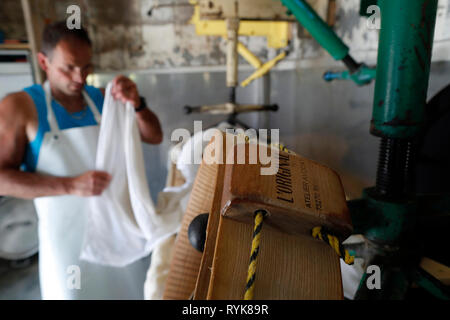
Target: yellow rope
[250,286]
[317,233]
[281,147]
[333,241]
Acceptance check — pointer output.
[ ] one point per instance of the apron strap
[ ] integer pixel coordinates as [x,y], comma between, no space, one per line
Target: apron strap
[93,107]
[51,118]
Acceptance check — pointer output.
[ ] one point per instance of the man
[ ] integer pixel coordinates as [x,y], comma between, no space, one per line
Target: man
[51,132]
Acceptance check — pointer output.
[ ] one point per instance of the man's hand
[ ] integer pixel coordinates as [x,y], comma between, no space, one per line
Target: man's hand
[125,90]
[90,183]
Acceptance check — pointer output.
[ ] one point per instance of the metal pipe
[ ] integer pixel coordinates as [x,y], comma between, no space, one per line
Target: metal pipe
[232,95]
[395,165]
[351,64]
[403,68]
[318,28]
[232,52]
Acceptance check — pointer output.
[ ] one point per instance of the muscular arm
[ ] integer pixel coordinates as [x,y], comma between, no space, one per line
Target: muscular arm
[148,123]
[13,139]
[149,126]
[14,117]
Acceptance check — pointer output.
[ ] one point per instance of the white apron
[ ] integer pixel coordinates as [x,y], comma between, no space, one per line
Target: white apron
[62,219]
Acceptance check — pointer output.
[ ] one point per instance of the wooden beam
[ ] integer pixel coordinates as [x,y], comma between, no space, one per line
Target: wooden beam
[14,46]
[436,269]
[34,30]
[322,7]
[331,13]
[248,10]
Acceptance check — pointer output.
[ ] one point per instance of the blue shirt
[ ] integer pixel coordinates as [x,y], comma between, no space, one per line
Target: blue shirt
[64,119]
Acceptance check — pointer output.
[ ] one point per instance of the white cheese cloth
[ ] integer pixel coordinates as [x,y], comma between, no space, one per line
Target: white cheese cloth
[123,223]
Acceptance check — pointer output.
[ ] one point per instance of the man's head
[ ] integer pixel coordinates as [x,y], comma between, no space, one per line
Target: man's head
[66,57]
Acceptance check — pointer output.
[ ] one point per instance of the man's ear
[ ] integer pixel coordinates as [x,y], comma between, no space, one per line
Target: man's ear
[43,61]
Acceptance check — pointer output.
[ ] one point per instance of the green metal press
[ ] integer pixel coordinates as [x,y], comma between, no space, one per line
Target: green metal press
[391,216]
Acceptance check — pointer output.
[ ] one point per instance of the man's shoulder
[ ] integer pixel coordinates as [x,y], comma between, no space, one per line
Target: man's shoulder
[17,99]
[17,104]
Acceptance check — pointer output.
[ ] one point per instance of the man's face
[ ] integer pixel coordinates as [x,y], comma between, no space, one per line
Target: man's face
[69,65]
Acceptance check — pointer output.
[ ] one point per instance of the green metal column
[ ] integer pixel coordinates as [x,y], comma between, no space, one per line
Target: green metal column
[403,69]
[389,213]
[320,31]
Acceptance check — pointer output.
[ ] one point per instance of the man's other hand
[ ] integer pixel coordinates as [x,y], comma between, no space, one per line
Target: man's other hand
[125,90]
[90,183]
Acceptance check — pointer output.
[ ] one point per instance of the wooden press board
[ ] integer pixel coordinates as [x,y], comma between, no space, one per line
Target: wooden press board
[302,194]
[290,266]
[185,264]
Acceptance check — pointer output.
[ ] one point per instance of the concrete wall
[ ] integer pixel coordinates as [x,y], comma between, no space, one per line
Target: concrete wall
[127,38]
[11,20]
[328,122]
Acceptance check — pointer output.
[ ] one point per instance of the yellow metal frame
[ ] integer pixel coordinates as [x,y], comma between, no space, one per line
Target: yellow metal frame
[263,69]
[249,56]
[276,32]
